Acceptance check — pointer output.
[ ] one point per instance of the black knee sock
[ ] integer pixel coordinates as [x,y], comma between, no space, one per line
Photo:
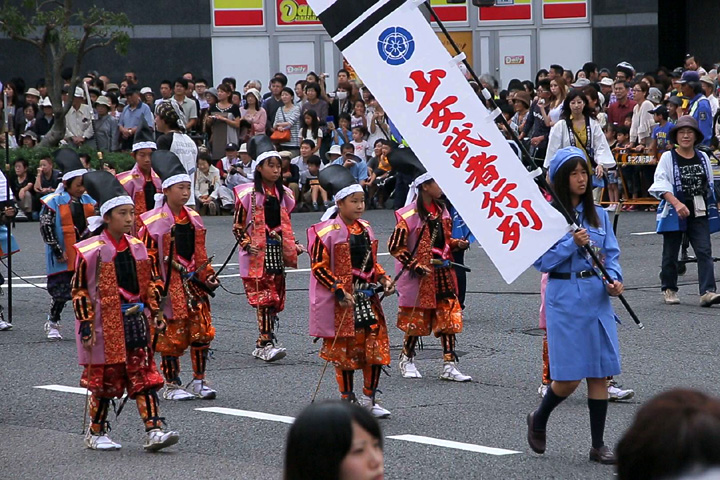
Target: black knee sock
[598,413]
[548,404]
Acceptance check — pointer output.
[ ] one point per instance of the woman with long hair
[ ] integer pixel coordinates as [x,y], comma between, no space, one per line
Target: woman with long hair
[581,323]
[558,90]
[311,129]
[334,440]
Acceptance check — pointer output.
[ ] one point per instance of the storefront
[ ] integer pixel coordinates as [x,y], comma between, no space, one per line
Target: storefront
[256,38]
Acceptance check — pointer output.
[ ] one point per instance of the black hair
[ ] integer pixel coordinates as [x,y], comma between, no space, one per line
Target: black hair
[258,181]
[347,146]
[182,81]
[317,77]
[515,84]
[313,86]
[33,106]
[422,211]
[40,83]
[589,68]
[204,155]
[572,95]
[314,124]
[363,130]
[314,160]
[321,437]
[540,72]
[301,82]
[529,87]
[342,70]
[308,142]
[280,77]
[344,116]
[289,90]
[664,114]
[380,141]
[558,69]
[621,130]
[86,156]
[544,83]
[21,160]
[231,81]
[167,82]
[561,183]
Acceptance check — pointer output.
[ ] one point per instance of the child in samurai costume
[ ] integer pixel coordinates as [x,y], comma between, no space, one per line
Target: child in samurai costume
[113,296]
[63,221]
[422,244]
[175,239]
[267,242]
[141,182]
[345,310]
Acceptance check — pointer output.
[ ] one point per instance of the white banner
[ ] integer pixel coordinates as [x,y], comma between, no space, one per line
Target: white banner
[396,53]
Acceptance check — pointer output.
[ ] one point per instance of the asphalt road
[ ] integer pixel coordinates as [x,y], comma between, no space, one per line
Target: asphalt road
[40,430]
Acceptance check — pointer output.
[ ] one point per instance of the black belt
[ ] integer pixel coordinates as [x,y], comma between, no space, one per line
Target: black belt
[568,276]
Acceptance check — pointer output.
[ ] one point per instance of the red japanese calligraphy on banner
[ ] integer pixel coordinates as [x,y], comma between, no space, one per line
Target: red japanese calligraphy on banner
[420,87]
[498,198]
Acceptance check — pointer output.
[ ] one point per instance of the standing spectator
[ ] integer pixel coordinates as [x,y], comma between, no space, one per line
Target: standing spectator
[23,189]
[300,92]
[187,105]
[315,103]
[708,88]
[14,107]
[692,63]
[536,128]
[32,97]
[253,113]
[107,134]
[311,129]
[558,89]
[342,133]
[28,139]
[359,115]
[166,91]
[618,110]
[556,71]
[674,106]
[699,106]
[45,121]
[28,125]
[131,118]
[287,119]
[168,121]
[660,136]
[341,103]
[201,86]
[362,147]
[78,121]
[377,122]
[606,88]
[274,101]
[223,120]
[148,97]
[642,120]
[521,105]
[684,183]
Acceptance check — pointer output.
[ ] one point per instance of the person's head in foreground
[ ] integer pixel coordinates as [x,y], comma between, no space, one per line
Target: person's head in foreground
[675,435]
[334,440]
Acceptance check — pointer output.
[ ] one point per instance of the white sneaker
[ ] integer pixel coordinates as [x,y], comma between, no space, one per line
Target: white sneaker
[671,297]
[52,330]
[408,368]
[376,410]
[709,299]
[200,389]
[542,390]
[617,393]
[451,373]
[100,442]
[157,439]
[177,393]
[269,353]
[5,325]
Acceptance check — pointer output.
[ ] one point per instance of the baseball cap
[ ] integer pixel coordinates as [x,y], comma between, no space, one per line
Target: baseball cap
[145,90]
[607,81]
[660,110]
[689,76]
[232,146]
[675,100]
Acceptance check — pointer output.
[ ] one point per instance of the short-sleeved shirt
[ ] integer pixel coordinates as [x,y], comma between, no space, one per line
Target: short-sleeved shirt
[661,136]
[693,179]
[131,117]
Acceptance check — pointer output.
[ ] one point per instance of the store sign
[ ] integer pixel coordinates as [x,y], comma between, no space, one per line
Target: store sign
[296,69]
[295,12]
[515,60]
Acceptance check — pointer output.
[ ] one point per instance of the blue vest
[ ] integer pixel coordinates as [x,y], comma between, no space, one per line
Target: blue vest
[53,201]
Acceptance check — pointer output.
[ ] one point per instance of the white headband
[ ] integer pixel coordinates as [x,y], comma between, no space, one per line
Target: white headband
[345,192]
[141,145]
[73,174]
[115,202]
[415,187]
[170,181]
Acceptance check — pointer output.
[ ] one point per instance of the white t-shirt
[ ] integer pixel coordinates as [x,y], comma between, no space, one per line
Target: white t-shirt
[361,149]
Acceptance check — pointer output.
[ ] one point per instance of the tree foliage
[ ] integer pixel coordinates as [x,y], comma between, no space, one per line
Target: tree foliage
[60,33]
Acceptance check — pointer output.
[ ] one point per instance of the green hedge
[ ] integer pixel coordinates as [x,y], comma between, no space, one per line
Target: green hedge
[122,161]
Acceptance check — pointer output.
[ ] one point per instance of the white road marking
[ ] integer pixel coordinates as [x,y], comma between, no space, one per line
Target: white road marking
[248,413]
[438,442]
[26,285]
[470,447]
[64,389]
[643,233]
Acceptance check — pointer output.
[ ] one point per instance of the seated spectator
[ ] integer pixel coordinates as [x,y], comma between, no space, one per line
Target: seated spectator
[78,121]
[356,165]
[28,125]
[306,151]
[674,434]
[46,182]
[334,440]
[382,181]
[23,189]
[290,175]
[85,160]
[359,116]
[207,185]
[341,134]
[333,154]
[312,192]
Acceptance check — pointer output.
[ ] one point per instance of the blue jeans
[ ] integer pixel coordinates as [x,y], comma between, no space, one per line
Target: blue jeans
[698,232]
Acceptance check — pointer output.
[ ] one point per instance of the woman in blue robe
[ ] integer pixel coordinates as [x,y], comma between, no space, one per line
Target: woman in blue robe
[581,324]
